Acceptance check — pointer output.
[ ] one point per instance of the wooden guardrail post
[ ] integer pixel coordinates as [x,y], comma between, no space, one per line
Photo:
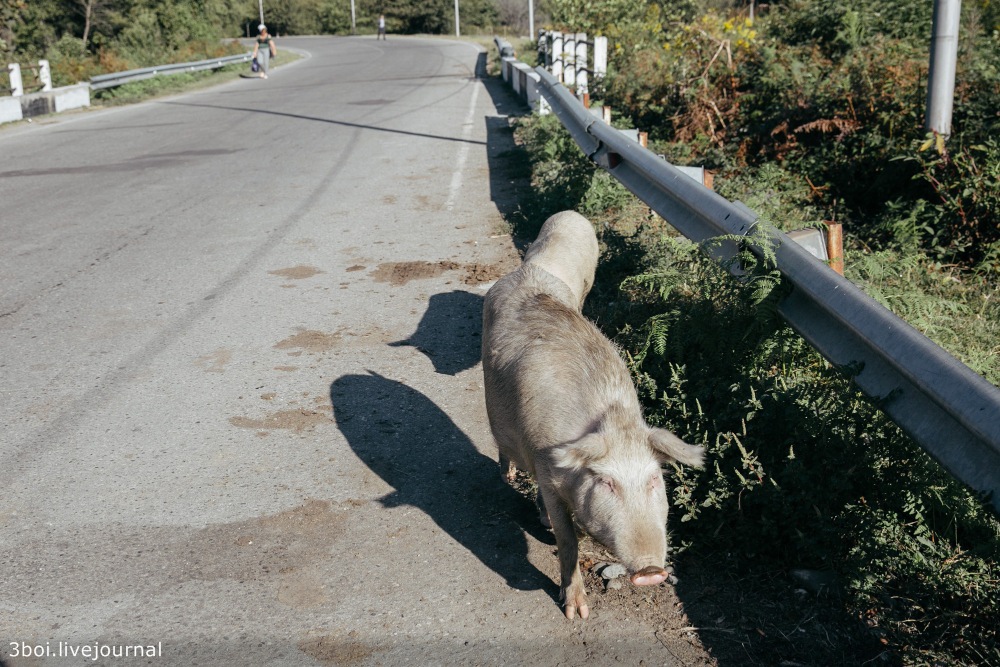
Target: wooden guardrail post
[835,246]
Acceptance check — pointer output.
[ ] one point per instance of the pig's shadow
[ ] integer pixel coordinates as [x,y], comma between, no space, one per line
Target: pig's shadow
[405,439]
[449,331]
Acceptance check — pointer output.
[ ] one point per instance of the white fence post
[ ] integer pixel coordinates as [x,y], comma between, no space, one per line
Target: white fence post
[569,57]
[600,57]
[557,55]
[581,65]
[16,85]
[45,75]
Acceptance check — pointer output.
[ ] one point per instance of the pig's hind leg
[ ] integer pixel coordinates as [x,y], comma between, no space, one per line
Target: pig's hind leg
[508,471]
[573,592]
[543,514]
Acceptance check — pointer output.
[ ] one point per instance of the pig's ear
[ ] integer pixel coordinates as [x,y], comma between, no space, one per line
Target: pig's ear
[579,453]
[669,446]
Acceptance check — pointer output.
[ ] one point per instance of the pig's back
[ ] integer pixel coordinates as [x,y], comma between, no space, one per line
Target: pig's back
[549,373]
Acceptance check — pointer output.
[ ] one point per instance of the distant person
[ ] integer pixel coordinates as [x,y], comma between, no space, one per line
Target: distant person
[381,27]
[264,55]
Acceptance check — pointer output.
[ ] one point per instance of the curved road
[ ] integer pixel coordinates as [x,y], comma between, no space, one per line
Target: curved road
[241,402]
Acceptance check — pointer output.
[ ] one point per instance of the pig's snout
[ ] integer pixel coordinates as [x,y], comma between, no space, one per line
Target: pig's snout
[649,576]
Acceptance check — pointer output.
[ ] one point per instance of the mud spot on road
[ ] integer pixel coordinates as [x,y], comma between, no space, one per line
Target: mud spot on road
[400,273]
[356,267]
[332,650]
[300,272]
[298,420]
[313,342]
[484,273]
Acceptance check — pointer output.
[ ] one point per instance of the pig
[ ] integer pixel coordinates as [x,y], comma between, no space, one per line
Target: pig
[562,407]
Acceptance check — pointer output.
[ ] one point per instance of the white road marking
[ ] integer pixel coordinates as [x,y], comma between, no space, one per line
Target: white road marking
[463,152]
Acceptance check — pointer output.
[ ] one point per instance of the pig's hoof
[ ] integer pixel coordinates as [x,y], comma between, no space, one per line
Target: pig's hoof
[649,576]
[583,609]
[576,603]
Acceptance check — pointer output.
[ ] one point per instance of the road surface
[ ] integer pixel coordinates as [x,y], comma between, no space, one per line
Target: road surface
[241,401]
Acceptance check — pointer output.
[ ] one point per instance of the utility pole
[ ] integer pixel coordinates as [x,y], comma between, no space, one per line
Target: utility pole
[457,33]
[531,20]
[260,4]
[354,23]
[944,56]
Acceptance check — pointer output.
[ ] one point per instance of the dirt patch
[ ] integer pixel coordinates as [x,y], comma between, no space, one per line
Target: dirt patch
[298,420]
[476,274]
[400,273]
[356,267]
[300,272]
[333,650]
[314,342]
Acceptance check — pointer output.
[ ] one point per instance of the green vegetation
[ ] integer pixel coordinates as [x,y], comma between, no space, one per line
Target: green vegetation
[804,123]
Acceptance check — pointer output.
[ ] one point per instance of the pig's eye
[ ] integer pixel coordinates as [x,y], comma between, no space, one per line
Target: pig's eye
[608,485]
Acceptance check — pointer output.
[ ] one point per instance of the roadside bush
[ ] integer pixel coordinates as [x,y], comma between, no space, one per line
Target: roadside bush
[799,88]
[70,62]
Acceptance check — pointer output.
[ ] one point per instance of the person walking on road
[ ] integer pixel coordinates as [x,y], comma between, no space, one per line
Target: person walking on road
[264,55]
[381,27]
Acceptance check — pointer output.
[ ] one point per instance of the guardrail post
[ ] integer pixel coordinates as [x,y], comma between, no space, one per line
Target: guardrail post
[835,246]
[16,84]
[569,59]
[581,65]
[557,55]
[600,57]
[45,75]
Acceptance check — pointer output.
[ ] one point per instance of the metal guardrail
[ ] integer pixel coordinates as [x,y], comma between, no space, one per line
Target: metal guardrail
[504,48]
[118,78]
[952,412]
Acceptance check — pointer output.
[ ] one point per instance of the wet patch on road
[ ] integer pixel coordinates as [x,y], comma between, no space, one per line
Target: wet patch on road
[215,362]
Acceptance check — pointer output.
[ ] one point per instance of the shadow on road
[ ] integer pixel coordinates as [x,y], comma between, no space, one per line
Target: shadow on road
[510,169]
[408,441]
[449,331]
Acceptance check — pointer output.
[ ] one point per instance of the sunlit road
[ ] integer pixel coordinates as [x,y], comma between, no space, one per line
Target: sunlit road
[241,402]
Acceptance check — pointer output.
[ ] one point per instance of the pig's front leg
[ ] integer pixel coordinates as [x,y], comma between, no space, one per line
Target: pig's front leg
[574,595]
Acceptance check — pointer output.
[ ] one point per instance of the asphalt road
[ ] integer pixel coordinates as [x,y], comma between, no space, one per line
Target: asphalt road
[241,401]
